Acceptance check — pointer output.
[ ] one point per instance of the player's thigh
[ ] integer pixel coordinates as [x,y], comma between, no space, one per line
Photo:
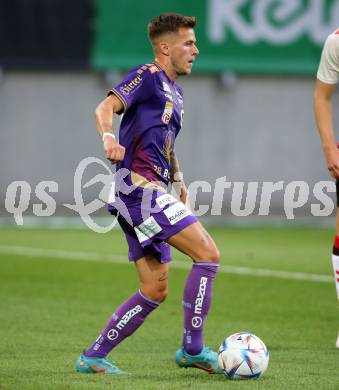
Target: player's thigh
[195,242]
[153,277]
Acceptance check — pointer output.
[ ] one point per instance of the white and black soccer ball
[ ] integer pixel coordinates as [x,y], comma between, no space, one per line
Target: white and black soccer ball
[243,356]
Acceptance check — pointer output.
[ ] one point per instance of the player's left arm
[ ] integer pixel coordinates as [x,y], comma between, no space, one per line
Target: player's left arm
[176,178]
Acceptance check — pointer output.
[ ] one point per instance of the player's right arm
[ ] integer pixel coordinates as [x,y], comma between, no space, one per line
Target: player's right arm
[104,124]
[324,117]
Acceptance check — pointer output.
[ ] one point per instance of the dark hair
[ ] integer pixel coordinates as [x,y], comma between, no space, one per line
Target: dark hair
[169,22]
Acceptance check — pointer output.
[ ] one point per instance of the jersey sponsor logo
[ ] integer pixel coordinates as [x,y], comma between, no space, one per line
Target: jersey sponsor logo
[130,314]
[180,98]
[148,229]
[169,97]
[201,295]
[168,111]
[112,334]
[178,94]
[166,87]
[176,213]
[196,322]
[164,200]
[127,89]
[182,112]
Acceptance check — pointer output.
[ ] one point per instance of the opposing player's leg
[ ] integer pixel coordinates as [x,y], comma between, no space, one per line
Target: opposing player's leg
[335,254]
[196,243]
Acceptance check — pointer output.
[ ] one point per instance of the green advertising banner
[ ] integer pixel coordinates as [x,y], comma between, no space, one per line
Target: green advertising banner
[246,36]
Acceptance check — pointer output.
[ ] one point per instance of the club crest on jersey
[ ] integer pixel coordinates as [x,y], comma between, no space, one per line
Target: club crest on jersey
[168,111]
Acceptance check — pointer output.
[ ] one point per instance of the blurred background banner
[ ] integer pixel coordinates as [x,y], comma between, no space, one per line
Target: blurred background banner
[247,36]
[248,104]
[243,36]
[45,34]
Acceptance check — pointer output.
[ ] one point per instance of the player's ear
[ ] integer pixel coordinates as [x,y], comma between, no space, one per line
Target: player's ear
[163,48]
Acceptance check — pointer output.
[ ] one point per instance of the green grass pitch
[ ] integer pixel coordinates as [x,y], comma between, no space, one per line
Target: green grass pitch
[53,307]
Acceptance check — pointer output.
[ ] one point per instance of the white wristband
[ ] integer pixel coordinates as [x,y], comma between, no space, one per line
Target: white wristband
[109,134]
[178,177]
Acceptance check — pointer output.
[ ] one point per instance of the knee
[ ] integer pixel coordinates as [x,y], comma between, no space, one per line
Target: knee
[208,253]
[158,294]
[213,255]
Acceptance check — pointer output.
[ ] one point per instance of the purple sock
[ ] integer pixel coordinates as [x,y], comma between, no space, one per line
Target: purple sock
[125,320]
[197,301]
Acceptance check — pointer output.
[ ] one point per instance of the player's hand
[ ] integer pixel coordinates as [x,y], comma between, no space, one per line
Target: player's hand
[181,190]
[184,193]
[114,151]
[332,158]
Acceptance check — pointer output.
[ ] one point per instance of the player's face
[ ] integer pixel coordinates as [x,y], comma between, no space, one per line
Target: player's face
[183,51]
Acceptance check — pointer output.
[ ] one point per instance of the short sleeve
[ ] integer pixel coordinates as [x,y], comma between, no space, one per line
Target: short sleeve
[328,71]
[135,88]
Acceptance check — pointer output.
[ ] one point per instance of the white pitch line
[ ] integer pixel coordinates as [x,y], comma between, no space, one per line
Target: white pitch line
[96,256]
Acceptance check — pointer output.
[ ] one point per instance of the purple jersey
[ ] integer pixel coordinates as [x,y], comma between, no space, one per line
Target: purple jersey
[153,112]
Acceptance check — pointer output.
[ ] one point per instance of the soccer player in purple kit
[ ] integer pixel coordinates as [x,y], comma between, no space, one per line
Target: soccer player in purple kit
[152,106]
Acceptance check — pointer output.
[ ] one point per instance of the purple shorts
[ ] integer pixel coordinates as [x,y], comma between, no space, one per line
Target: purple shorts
[149,221]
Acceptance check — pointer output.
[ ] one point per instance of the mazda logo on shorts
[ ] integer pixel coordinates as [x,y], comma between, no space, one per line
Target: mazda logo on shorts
[112,334]
[196,322]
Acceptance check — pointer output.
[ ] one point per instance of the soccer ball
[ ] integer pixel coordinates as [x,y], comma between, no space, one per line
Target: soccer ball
[243,356]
